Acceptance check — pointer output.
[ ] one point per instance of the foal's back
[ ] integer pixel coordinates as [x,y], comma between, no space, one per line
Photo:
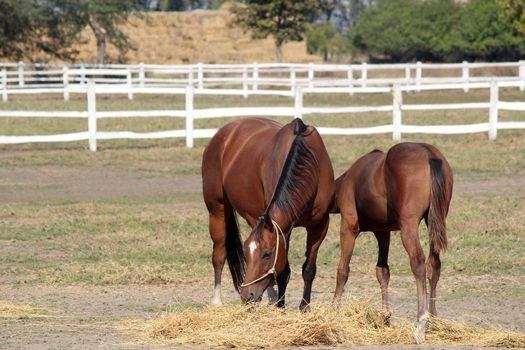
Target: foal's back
[380,188]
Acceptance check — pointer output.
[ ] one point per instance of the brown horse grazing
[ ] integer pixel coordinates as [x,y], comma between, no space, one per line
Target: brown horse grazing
[277,178]
[394,191]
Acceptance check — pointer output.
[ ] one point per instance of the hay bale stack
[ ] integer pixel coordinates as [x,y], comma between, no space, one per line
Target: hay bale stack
[191,37]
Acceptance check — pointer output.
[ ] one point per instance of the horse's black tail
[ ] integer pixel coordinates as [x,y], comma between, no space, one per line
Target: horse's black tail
[438,210]
[234,252]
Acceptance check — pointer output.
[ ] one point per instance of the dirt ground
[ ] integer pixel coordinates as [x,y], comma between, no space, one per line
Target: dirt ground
[87,317]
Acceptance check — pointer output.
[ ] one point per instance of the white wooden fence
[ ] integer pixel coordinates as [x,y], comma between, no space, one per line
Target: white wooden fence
[397,128]
[17,77]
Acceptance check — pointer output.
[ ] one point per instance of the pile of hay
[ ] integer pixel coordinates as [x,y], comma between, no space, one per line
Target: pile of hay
[263,326]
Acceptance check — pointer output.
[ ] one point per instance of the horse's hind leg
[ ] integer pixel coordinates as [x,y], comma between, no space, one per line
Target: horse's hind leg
[382,269]
[315,236]
[433,266]
[217,227]
[410,238]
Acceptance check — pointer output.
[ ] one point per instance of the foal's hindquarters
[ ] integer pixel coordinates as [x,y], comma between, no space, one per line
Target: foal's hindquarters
[395,191]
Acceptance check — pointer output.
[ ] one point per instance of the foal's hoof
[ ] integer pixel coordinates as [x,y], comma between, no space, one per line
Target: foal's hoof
[421,329]
[386,318]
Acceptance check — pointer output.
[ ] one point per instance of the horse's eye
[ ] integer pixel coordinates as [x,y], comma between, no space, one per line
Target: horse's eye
[266,254]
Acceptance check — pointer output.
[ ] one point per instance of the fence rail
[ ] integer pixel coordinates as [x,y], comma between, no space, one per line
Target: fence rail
[298,110]
[251,78]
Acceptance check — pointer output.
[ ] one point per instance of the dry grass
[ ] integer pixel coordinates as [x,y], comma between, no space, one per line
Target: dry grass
[264,326]
[8,310]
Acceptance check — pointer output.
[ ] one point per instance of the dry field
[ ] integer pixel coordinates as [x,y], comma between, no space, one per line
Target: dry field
[92,245]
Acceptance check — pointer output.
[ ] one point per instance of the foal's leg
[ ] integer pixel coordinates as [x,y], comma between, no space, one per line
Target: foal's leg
[382,269]
[217,228]
[348,233]
[433,266]
[410,238]
[315,236]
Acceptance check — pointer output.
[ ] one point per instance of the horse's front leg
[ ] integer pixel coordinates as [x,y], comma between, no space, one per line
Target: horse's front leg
[315,236]
[272,294]
[282,283]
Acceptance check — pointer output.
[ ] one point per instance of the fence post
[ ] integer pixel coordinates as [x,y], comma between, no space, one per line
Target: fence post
[419,74]
[245,82]
[298,102]
[129,83]
[350,77]
[20,73]
[522,74]
[293,79]
[82,74]
[92,115]
[255,75]
[364,74]
[142,74]
[4,85]
[65,82]
[189,116]
[190,75]
[407,73]
[200,76]
[493,113]
[465,76]
[310,75]
[396,115]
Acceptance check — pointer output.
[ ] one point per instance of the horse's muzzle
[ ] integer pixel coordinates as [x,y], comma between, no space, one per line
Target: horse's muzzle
[251,297]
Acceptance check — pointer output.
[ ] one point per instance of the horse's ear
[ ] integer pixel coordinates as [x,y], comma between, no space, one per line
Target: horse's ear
[268,222]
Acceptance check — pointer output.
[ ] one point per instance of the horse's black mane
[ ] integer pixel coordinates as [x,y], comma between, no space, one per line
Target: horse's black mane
[297,184]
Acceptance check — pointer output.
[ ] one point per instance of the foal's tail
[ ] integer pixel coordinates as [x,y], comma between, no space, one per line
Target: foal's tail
[438,210]
[234,252]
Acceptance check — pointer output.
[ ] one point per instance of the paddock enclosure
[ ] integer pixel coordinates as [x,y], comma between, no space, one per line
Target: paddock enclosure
[95,244]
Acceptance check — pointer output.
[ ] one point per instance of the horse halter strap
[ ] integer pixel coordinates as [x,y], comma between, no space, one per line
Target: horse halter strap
[271,271]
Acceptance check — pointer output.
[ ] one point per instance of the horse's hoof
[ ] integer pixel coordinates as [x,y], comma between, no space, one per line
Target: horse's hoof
[304,307]
[216,302]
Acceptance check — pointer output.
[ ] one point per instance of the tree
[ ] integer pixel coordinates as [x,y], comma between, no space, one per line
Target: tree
[54,26]
[436,30]
[322,38]
[103,17]
[515,10]
[486,33]
[28,27]
[285,20]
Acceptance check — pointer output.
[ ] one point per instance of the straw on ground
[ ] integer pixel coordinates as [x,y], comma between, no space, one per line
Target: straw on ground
[264,326]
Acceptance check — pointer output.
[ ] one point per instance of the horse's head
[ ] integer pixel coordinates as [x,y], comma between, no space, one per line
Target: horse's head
[266,256]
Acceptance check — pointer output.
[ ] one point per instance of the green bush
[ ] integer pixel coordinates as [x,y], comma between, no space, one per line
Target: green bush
[436,30]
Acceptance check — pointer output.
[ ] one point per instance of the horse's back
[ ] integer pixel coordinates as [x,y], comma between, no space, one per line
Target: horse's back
[230,155]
